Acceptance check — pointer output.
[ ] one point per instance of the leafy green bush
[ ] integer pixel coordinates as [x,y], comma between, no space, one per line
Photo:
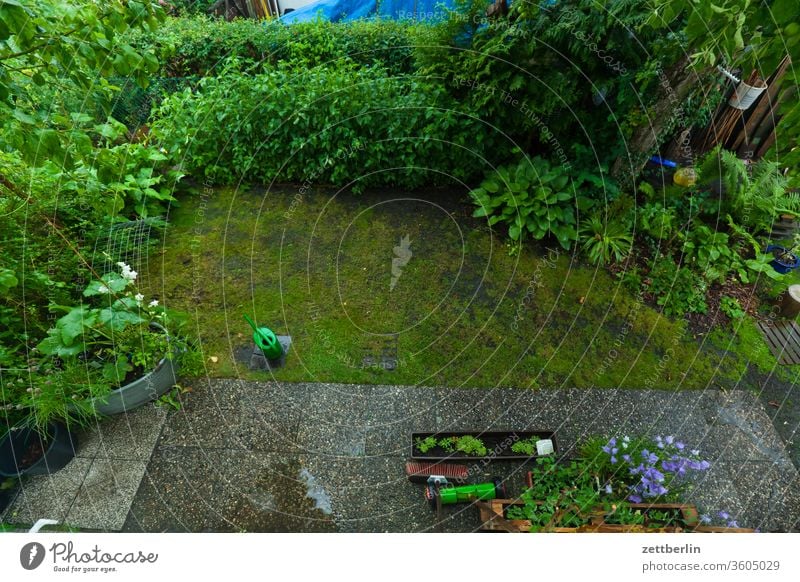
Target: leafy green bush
[532,198]
[334,125]
[200,45]
[731,307]
[677,289]
[711,254]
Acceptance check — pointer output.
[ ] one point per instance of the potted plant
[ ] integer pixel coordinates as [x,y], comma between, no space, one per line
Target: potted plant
[117,350]
[28,450]
[619,484]
[784,260]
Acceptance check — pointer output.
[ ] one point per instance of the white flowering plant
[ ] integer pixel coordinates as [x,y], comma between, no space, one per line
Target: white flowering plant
[113,326]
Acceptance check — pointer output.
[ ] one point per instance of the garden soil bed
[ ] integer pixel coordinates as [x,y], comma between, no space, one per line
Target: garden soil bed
[33,452]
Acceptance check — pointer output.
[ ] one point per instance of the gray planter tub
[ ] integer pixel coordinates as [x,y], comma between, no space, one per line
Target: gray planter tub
[141,391]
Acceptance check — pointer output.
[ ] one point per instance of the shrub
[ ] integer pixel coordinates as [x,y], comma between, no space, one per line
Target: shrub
[333,125]
[677,289]
[551,72]
[712,254]
[753,198]
[200,45]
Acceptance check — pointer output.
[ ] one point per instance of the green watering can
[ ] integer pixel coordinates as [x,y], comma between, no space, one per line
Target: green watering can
[266,340]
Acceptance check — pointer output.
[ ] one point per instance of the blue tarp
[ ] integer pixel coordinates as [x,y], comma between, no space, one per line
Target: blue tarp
[347,10]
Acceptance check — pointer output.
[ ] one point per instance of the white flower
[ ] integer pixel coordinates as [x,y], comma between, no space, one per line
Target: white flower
[103,289]
[153,303]
[138,297]
[127,272]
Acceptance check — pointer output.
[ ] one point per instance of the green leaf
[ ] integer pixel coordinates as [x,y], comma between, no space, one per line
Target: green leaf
[118,320]
[24,117]
[491,186]
[72,325]
[117,370]
[8,280]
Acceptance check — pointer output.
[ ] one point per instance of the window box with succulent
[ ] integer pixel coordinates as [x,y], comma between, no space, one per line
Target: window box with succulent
[501,445]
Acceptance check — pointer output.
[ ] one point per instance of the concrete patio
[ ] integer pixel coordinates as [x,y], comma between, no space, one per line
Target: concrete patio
[253,456]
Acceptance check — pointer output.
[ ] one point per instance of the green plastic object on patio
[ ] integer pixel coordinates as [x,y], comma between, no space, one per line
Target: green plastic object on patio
[266,340]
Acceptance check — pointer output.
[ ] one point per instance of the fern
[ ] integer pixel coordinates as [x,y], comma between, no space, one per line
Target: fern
[752,200]
[725,168]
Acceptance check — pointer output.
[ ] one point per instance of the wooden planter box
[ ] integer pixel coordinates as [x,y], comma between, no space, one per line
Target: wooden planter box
[498,445]
[492,515]
[687,513]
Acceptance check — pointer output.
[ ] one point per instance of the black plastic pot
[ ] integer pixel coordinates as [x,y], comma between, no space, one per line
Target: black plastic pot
[5,498]
[59,449]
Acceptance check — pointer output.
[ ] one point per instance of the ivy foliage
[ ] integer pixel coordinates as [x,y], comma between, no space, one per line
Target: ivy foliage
[747,34]
[574,70]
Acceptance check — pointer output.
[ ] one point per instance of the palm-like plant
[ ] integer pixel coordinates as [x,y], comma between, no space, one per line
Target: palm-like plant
[605,241]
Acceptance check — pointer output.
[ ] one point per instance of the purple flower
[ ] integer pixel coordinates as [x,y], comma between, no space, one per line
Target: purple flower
[633,498]
[679,445]
[611,447]
[626,457]
[609,490]
[705,519]
[613,460]
[724,515]
[732,523]
[669,440]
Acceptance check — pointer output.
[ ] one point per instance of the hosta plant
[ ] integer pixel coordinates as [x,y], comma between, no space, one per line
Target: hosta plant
[533,198]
